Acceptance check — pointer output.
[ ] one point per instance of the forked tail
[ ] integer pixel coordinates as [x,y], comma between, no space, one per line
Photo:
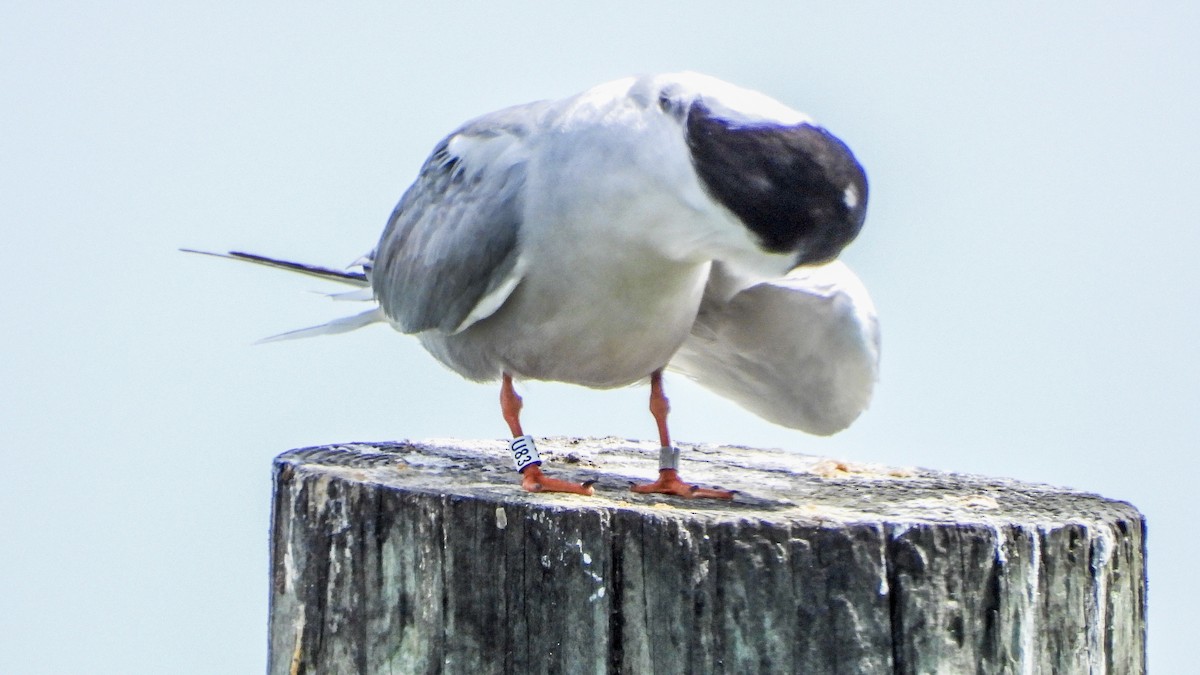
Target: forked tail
[342,325]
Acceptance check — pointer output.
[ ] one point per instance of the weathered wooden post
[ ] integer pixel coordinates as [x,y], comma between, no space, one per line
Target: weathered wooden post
[427,558]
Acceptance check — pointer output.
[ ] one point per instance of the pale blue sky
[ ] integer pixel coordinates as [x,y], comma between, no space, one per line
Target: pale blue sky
[1030,244]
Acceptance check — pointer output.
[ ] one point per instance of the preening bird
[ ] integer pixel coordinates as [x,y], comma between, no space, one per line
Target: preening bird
[659,222]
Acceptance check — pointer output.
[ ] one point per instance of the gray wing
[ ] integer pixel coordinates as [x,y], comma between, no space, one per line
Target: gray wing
[449,254]
[801,351]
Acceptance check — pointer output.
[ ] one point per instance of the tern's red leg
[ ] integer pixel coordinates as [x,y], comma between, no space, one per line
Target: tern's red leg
[510,405]
[532,478]
[659,407]
[668,478]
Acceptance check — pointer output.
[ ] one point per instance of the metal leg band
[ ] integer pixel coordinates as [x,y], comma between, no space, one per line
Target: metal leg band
[668,458]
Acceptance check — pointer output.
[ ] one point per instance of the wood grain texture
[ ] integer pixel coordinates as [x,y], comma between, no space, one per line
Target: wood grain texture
[428,558]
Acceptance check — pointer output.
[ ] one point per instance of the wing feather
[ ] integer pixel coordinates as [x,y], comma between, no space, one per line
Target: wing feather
[802,351]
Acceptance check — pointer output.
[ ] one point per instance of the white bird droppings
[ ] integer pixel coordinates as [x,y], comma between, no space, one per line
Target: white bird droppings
[501,518]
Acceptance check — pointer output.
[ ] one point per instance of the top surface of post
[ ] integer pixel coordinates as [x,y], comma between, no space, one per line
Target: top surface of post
[771,484]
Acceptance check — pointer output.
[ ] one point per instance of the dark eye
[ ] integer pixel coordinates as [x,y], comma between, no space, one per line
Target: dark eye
[670,106]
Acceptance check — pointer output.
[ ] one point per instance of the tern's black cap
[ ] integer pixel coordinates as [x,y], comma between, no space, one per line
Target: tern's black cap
[797,187]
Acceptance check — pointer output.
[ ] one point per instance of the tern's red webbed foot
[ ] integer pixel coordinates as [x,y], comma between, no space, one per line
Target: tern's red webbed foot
[525,455]
[668,459]
[533,480]
[668,483]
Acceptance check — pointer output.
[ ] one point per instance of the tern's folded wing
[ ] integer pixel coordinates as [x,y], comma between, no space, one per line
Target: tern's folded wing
[450,254]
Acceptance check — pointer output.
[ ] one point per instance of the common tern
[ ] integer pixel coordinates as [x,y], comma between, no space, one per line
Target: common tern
[665,222]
